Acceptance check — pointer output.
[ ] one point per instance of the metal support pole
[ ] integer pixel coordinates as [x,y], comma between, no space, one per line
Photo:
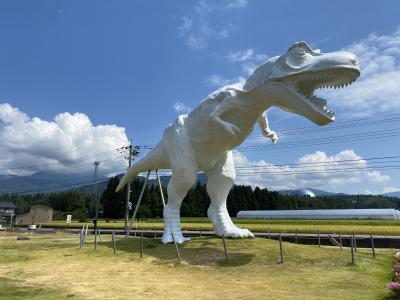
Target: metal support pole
[295,237]
[372,246]
[160,187]
[155,233]
[281,248]
[226,252]
[319,240]
[80,239]
[340,241]
[176,249]
[138,204]
[353,259]
[141,244]
[113,241]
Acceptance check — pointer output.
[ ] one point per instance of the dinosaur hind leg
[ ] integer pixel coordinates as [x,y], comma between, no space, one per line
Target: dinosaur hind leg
[220,181]
[181,181]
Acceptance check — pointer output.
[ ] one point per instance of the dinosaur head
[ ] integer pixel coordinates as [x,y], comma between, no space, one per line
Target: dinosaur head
[291,79]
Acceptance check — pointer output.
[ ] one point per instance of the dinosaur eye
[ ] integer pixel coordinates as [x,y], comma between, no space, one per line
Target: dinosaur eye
[302,52]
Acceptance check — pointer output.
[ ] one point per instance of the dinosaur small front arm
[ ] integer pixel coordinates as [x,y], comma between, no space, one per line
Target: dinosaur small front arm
[265,130]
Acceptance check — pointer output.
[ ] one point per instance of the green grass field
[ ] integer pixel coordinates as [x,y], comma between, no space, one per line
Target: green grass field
[51,266]
[377,227]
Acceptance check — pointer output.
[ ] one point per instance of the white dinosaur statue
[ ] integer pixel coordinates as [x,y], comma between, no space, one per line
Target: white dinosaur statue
[203,140]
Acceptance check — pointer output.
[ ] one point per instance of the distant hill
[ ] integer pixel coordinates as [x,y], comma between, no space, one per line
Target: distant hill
[44,182]
[393,194]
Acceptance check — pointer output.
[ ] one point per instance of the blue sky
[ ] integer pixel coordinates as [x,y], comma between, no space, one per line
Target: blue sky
[138,64]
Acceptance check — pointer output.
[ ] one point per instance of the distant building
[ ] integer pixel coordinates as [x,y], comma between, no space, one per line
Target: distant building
[7,212]
[41,212]
[7,207]
[301,192]
[378,213]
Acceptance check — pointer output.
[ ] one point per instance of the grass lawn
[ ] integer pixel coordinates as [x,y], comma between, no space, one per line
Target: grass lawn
[51,266]
[377,227]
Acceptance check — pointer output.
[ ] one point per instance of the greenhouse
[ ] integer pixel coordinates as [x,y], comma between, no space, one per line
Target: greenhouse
[381,213]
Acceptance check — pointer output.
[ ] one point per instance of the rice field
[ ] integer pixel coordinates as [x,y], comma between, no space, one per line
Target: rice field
[377,227]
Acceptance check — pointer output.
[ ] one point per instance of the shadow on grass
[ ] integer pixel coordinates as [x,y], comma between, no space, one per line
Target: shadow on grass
[15,289]
[203,251]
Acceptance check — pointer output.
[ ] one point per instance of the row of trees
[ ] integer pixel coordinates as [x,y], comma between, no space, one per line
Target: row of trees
[241,197]
[195,204]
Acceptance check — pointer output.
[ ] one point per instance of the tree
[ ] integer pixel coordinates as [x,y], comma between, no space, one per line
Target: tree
[113,203]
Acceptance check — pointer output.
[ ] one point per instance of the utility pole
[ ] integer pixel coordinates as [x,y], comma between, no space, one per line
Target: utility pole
[96,206]
[128,188]
[133,151]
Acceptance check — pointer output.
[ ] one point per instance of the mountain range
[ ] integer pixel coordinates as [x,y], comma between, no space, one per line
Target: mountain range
[55,182]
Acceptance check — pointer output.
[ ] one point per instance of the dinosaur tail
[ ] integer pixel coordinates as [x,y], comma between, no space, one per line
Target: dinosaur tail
[155,159]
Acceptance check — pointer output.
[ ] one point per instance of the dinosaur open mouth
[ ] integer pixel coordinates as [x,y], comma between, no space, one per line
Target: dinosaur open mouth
[304,84]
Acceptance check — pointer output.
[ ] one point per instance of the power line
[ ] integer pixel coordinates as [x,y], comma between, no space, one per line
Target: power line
[356,137]
[371,160]
[335,126]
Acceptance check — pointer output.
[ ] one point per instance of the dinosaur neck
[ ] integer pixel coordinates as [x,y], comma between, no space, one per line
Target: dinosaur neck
[262,97]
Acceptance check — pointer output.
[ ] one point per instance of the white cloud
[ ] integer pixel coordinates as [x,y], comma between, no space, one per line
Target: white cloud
[181,108]
[55,145]
[195,42]
[237,3]
[316,170]
[247,59]
[246,55]
[218,81]
[206,24]
[377,89]
[185,25]
[391,189]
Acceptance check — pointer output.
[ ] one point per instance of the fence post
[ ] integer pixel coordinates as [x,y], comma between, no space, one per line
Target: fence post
[80,239]
[113,240]
[226,252]
[141,244]
[319,240]
[340,241]
[200,232]
[281,247]
[372,246]
[269,233]
[295,237]
[355,242]
[95,239]
[353,260]
[155,233]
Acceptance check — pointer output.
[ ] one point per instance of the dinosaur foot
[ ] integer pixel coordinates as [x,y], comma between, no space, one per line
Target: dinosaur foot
[172,227]
[179,238]
[223,225]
